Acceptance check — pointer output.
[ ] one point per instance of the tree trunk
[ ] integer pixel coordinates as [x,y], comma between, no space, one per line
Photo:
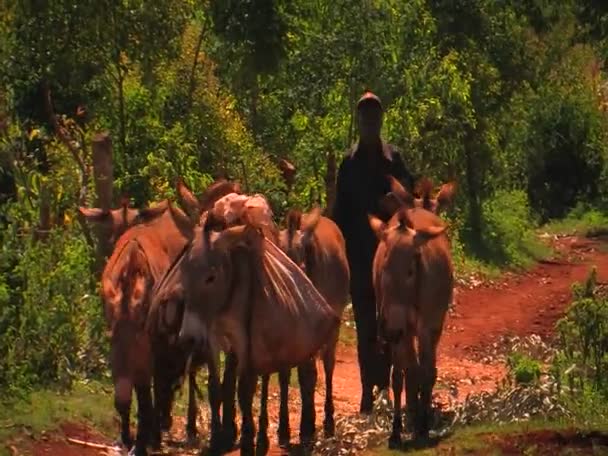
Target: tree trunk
[103,174]
[44,219]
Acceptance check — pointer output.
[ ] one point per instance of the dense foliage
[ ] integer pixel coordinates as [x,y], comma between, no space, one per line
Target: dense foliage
[507,98]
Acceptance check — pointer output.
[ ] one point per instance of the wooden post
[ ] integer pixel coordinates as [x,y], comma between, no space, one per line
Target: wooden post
[103,174]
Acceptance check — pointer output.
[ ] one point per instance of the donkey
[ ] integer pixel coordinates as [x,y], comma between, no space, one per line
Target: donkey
[243,293]
[413,281]
[118,220]
[315,243]
[140,257]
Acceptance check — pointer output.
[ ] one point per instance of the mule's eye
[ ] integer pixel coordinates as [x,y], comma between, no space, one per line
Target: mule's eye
[210,279]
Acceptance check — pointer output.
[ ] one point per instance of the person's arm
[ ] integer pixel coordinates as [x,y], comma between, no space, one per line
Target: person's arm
[339,210]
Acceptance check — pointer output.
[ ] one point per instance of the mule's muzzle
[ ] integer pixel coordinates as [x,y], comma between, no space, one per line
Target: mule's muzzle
[192,332]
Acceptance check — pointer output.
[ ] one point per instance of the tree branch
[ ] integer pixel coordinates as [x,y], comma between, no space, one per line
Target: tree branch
[62,134]
[197,52]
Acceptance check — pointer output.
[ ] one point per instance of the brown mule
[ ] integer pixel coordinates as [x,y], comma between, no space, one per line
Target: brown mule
[413,280]
[315,243]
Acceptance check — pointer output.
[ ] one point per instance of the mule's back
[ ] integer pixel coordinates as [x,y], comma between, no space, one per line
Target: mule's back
[327,265]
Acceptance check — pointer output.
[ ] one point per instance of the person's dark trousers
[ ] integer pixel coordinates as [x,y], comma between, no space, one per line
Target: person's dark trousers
[374,363]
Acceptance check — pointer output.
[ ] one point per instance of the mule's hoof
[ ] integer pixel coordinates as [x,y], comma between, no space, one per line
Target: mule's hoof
[155,443]
[284,440]
[247,448]
[166,424]
[262,443]
[229,434]
[329,428]
[217,446]
[394,442]
[307,444]
[191,440]
[138,451]
[123,443]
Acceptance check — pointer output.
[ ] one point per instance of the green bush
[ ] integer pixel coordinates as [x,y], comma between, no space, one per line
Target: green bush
[524,369]
[508,229]
[583,335]
[51,319]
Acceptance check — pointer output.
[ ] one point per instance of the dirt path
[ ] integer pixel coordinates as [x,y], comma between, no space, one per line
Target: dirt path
[516,304]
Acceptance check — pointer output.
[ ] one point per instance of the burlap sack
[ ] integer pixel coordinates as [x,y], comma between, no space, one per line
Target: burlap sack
[291,321]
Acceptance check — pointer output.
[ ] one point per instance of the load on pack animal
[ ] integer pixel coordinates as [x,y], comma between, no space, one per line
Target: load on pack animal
[245,294]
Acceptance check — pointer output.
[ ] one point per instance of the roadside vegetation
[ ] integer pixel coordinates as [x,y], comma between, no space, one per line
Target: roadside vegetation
[508,99]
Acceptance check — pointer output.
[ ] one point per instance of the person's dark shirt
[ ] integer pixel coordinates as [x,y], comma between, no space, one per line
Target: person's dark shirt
[361,183]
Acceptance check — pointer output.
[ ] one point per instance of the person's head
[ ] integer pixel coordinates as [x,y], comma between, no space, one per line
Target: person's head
[369,116]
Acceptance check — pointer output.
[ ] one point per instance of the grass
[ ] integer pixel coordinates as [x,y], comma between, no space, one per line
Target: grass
[582,222]
[87,403]
[486,439]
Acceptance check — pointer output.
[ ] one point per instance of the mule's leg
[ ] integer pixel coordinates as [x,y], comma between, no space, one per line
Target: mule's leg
[215,399]
[284,431]
[246,388]
[412,379]
[145,419]
[307,377]
[428,340]
[163,402]
[229,430]
[122,402]
[262,442]
[192,408]
[329,364]
[394,441]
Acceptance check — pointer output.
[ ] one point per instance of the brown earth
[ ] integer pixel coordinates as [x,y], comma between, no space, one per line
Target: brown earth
[515,304]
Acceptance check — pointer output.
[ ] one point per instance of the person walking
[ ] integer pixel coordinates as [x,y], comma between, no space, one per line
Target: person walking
[361,183]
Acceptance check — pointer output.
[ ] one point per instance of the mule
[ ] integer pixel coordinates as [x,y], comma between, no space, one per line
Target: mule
[140,257]
[316,245]
[118,220]
[243,293]
[413,280]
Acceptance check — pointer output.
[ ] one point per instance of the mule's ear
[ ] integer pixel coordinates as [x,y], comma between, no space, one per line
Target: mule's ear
[406,198]
[293,221]
[187,198]
[390,204]
[425,188]
[150,213]
[446,194]
[124,201]
[378,226]
[247,235]
[312,219]
[94,214]
[424,235]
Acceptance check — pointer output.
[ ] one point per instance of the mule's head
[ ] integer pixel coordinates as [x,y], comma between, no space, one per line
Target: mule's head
[397,270]
[125,293]
[215,273]
[118,220]
[399,197]
[296,239]
[194,206]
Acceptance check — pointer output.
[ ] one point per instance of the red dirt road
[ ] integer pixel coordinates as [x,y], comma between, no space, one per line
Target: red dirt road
[515,304]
